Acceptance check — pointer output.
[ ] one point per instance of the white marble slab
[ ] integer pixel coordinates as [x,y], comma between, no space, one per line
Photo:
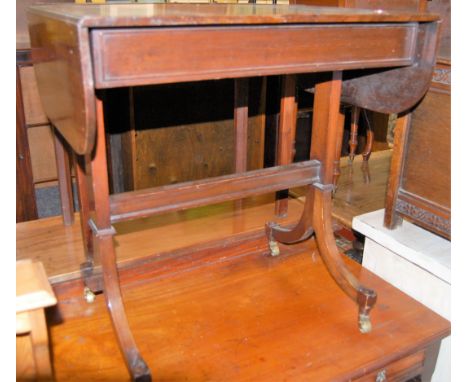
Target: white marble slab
[415,244]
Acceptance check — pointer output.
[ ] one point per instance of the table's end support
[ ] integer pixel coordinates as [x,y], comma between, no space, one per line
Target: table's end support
[107,279]
[301,231]
[366,299]
[277,234]
[139,370]
[317,218]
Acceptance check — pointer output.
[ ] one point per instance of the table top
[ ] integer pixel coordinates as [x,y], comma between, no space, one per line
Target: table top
[134,15]
[131,47]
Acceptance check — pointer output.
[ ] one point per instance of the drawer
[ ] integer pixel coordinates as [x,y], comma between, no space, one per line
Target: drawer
[401,370]
[129,57]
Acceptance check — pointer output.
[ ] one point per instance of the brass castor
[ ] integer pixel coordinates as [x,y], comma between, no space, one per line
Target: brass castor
[89,295]
[274,249]
[365,325]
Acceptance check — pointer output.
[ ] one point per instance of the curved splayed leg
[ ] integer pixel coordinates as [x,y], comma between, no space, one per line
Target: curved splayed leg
[301,231]
[103,247]
[136,366]
[364,297]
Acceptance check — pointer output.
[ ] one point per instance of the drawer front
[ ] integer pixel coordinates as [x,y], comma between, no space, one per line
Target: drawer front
[129,57]
[401,370]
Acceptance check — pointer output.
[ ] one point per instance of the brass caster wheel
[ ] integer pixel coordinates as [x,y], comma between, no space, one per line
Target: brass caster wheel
[88,295]
[274,249]
[365,325]
[381,376]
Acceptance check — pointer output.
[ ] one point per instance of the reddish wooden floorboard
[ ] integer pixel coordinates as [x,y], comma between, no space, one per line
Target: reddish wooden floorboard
[61,250]
[249,317]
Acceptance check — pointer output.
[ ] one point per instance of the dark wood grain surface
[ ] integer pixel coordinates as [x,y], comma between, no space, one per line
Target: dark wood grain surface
[128,15]
[396,5]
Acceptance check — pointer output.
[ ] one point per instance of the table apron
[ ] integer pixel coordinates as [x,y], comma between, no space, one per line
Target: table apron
[142,56]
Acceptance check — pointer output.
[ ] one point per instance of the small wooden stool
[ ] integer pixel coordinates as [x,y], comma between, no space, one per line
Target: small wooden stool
[33,294]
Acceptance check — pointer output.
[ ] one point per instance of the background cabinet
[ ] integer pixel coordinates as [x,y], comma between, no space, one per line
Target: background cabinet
[169,134]
[35,157]
[419,183]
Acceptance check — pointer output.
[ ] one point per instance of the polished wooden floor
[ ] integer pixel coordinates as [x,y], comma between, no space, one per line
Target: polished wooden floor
[203,307]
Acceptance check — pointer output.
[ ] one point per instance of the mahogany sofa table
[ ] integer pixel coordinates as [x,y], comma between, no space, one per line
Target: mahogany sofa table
[82,50]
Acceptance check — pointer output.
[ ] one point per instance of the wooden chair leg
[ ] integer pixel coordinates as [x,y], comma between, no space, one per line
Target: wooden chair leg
[353,137]
[62,158]
[369,138]
[40,344]
[104,248]
[391,218]
[286,135]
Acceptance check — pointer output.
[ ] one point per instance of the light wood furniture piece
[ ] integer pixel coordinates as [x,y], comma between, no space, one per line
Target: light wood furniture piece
[419,180]
[33,294]
[83,50]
